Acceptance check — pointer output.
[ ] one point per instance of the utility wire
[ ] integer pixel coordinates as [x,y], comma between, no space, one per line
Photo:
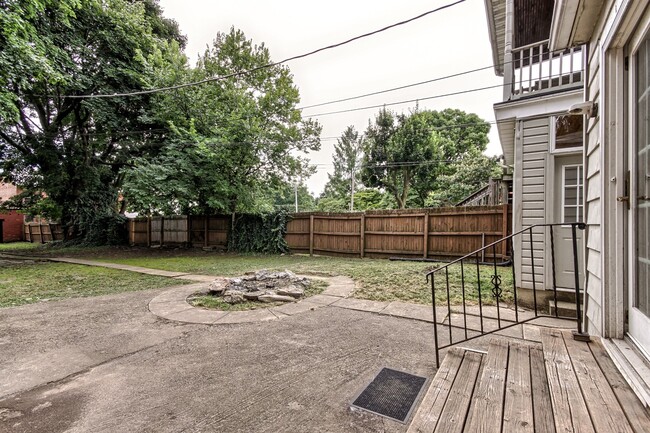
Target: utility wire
[387,104]
[269,65]
[406,86]
[443,95]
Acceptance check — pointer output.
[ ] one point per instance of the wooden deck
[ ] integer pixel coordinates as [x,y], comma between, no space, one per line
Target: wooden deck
[560,385]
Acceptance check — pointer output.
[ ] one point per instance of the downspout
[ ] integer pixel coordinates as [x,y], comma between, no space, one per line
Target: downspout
[508,66]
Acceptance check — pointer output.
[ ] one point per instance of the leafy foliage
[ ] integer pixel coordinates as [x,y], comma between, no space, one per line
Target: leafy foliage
[73,149]
[348,152]
[259,233]
[407,155]
[466,176]
[284,197]
[235,140]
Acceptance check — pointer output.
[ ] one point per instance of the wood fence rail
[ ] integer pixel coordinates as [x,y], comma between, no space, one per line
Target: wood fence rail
[427,233]
[42,232]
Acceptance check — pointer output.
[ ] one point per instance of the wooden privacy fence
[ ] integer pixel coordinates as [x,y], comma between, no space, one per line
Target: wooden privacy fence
[42,232]
[426,233]
[195,230]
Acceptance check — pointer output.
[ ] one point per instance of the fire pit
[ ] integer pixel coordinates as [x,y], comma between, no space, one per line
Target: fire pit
[262,286]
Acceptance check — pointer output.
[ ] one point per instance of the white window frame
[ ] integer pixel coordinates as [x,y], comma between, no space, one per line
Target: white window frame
[579,206]
[568,150]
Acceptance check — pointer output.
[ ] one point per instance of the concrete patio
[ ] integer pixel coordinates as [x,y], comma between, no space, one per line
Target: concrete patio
[108,363]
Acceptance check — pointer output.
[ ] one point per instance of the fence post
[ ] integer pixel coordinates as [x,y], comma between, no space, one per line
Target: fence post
[29,232]
[425,245]
[311,234]
[504,244]
[40,228]
[362,234]
[206,232]
[162,230]
[189,230]
[148,231]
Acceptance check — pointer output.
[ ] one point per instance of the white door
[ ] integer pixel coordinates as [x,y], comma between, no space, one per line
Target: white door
[568,194]
[639,195]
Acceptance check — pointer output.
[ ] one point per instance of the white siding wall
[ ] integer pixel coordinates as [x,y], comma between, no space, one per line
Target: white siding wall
[534,144]
[593,203]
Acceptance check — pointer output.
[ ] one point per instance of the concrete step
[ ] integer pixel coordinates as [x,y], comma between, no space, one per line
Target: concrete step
[564,309]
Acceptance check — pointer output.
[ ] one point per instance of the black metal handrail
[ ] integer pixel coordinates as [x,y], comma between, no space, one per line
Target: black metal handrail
[497,289]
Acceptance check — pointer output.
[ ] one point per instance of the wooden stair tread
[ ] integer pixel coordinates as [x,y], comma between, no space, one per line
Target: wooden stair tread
[560,385]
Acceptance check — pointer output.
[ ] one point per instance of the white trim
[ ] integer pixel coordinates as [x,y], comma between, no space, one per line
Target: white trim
[538,106]
[638,321]
[552,132]
[579,187]
[625,355]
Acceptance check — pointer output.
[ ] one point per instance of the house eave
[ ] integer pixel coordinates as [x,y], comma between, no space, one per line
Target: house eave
[573,22]
[496,29]
[508,113]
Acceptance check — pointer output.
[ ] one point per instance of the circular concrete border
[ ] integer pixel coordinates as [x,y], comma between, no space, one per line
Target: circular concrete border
[172,304]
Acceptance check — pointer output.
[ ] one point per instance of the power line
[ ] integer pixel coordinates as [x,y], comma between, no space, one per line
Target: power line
[406,86]
[443,95]
[269,65]
[387,104]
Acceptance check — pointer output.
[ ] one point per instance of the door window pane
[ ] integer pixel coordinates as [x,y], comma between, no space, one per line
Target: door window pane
[572,194]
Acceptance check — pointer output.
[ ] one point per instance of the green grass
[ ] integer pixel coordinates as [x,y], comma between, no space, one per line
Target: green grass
[376,279]
[214,302]
[18,247]
[30,282]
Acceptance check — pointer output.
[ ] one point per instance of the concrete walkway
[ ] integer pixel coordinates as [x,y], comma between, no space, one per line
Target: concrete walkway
[172,304]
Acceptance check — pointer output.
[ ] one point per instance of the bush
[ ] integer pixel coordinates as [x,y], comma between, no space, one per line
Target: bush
[259,233]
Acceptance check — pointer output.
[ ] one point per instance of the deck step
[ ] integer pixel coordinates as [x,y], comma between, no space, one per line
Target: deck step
[485,414]
[442,410]
[559,385]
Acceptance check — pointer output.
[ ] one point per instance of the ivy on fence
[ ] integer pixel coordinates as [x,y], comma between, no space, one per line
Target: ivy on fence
[259,233]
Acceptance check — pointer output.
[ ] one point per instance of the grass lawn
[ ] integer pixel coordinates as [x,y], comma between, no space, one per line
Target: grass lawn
[29,282]
[377,279]
[18,247]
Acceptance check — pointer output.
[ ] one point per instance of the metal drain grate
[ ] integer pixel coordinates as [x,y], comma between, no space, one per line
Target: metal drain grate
[391,394]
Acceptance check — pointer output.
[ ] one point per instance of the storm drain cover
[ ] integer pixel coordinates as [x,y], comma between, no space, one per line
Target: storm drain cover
[391,394]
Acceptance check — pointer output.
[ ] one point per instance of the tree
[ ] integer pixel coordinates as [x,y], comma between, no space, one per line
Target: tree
[465,177]
[464,136]
[348,152]
[71,149]
[396,148]
[331,204]
[235,140]
[406,154]
[285,198]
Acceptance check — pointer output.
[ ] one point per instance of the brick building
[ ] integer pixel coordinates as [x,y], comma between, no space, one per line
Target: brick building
[11,222]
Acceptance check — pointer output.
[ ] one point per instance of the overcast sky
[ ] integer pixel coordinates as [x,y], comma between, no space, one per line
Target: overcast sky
[447,42]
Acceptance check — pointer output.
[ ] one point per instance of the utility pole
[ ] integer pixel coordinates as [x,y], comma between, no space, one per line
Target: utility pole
[295,190]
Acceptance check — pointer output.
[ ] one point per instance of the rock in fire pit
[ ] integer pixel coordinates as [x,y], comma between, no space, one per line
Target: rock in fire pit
[264,286]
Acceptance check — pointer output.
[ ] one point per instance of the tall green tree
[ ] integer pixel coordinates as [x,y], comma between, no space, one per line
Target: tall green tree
[347,158]
[235,139]
[464,177]
[397,149]
[406,154]
[52,141]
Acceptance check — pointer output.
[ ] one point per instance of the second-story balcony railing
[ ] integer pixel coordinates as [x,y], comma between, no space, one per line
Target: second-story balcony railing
[535,69]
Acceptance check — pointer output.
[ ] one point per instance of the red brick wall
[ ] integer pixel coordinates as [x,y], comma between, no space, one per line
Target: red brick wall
[12,226]
[8,190]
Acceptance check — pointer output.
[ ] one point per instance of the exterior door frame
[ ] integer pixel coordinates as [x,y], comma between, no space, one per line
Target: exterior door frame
[640,319]
[613,131]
